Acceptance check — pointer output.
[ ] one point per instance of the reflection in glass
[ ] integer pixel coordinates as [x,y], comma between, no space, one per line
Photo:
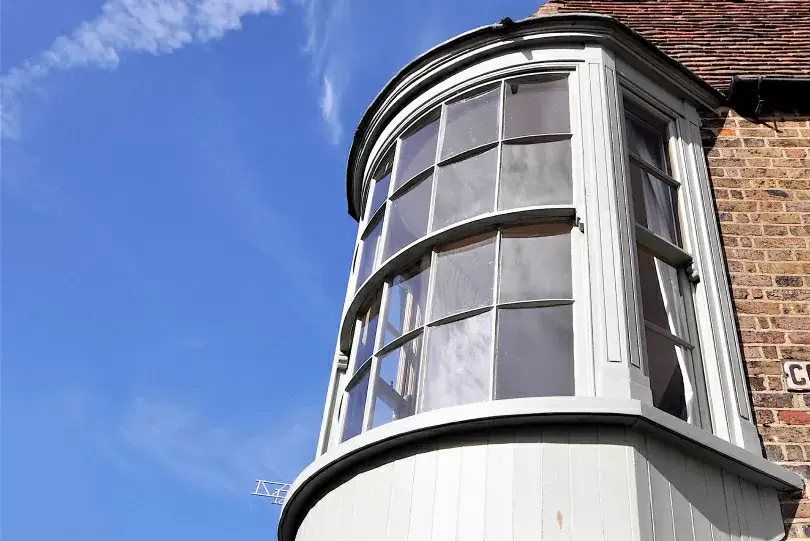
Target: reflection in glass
[536,263]
[470,123]
[465,189]
[535,352]
[537,108]
[666,363]
[457,363]
[647,142]
[396,384]
[417,152]
[408,217]
[353,424]
[406,302]
[368,333]
[380,193]
[536,174]
[661,295]
[382,413]
[369,253]
[655,204]
[464,276]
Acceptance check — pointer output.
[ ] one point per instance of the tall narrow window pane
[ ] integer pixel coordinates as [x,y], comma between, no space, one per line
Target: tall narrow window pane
[535,352]
[647,142]
[666,363]
[655,204]
[537,107]
[465,189]
[396,385]
[661,295]
[416,153]
[353,424]
[464,276]
[368,333]
[536,174]
[406,302]
[458,363]
[369,253]
[408,217]
[536,263]
[470,123]
[382,183]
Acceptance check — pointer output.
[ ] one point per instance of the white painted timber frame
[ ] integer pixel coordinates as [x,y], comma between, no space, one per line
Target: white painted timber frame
[608,62]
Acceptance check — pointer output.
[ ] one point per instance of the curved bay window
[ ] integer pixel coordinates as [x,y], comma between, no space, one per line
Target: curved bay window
[474,320]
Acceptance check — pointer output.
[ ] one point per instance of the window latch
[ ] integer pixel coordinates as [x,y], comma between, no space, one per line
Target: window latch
[692,274]
[580,224]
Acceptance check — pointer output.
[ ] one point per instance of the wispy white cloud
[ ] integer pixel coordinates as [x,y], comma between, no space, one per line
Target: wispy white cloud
[144,26]
[216,457]
[328,43]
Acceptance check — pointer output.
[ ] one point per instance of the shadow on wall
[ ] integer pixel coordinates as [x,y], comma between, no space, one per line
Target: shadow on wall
[748,154]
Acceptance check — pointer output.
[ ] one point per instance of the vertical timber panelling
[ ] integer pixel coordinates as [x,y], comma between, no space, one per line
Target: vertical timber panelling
[586,511]
[556,506]
[399,507]
[472,496]
[527,491]
[499,505]
[572,483]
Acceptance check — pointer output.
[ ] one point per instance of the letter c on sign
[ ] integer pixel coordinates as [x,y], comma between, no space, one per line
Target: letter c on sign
[797,380]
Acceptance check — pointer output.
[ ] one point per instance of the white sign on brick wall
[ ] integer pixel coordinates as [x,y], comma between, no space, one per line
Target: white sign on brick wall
[797,375]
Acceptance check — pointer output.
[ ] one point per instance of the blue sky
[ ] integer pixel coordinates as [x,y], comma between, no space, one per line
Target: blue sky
[175,248]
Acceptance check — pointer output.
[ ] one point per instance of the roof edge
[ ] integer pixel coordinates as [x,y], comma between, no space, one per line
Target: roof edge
[504,27]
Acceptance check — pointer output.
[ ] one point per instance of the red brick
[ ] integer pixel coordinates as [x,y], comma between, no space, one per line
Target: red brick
[794,417]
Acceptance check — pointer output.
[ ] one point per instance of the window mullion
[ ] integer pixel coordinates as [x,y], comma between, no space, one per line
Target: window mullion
[494,328]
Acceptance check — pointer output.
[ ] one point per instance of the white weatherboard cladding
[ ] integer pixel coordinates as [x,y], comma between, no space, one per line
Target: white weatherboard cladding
[579,483]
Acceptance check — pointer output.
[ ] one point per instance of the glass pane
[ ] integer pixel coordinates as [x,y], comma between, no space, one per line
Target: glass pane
[368,332]
[396,386]
[458,363]
[380,193]
[369,252]
[536,174]
[470,123]
[666,363]
[406,302]
[661,295]
[536,263]
[537,108]
[535,352]
[465,189]
[647,142]
[655,204]
[416,153]
[464,276]
[354,410]
[383,413]
[408,217]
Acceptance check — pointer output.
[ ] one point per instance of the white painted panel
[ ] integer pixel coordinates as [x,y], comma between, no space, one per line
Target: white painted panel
[586,512]
[328,515]
[753,512]
[380,498]
[730,495]
[675,470]
[344,522]
[718,511]
[696,492]
[556,506]
[771,513]
[500,459]
[663,524]
[423,498]
[527,491]
[399,508]
[445,513]
[472,496]
[361,493]
[640,510]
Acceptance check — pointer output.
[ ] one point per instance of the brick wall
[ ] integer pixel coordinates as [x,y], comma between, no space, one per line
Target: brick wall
[761,178]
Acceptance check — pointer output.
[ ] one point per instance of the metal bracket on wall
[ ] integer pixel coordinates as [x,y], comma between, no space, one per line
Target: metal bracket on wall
[692,274]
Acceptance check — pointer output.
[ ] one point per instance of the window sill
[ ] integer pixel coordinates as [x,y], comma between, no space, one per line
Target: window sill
[632,414]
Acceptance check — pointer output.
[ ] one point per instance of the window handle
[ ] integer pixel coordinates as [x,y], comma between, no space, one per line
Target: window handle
[692,274]
[580,224]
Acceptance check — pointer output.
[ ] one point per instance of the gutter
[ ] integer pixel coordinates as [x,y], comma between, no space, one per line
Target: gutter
[756,97]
